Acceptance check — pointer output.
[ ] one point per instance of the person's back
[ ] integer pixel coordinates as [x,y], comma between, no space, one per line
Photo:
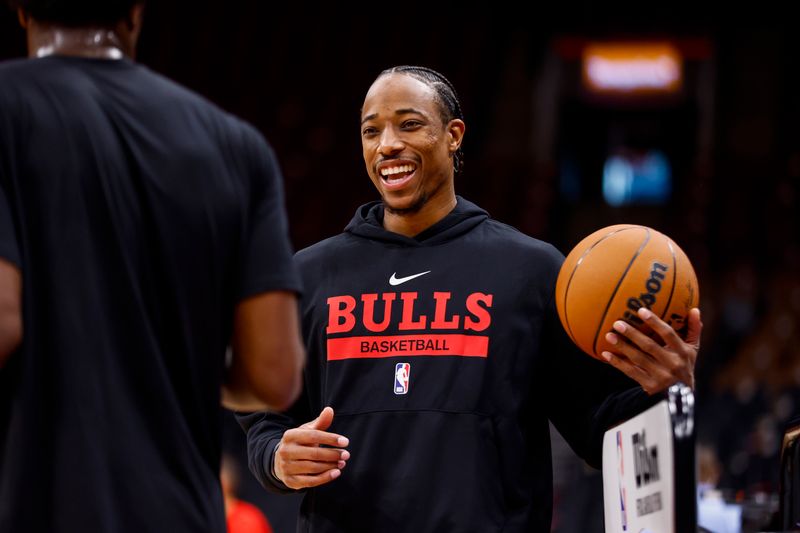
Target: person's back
[142,215]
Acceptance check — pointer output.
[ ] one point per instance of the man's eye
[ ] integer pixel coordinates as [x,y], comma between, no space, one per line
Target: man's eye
[369,131]
[411,124]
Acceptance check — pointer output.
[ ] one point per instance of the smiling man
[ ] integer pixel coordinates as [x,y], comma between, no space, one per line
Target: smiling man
[431,330]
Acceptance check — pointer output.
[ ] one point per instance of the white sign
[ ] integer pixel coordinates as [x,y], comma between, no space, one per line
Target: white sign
[638,475]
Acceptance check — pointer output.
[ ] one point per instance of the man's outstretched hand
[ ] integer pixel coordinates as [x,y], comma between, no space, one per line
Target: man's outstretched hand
[309,456]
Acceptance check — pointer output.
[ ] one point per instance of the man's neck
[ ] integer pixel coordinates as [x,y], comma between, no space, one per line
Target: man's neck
[412,224]
[92,42]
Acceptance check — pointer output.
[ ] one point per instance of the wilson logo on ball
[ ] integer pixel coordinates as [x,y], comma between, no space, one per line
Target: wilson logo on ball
[646,299]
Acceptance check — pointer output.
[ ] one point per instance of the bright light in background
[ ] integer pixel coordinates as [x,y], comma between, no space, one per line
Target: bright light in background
[638,179]
[632,67]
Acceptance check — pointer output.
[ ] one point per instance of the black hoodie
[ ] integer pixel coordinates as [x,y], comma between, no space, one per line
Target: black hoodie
[443,358]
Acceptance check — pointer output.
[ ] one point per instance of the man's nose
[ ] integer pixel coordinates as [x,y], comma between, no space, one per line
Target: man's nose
[390,142]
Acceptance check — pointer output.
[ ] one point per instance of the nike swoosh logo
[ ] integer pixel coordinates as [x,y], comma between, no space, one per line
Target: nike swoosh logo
[397,281]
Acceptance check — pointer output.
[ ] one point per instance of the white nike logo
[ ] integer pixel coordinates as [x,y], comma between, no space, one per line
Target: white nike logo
[397,281]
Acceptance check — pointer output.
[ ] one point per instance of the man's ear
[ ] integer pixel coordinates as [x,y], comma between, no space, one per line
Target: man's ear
[456,128]
[133,21]
[129,28]
[23,18]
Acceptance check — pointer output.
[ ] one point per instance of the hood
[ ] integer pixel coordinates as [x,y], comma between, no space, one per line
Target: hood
[368,223]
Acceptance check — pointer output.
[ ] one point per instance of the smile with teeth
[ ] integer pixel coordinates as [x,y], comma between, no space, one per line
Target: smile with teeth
[398,173]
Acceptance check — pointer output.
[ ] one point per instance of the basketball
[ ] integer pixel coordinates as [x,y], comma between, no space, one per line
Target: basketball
[613,272]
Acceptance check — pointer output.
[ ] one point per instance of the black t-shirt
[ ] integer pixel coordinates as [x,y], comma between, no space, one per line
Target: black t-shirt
[139,214]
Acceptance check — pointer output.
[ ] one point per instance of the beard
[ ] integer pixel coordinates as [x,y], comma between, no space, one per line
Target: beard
[410,210]
[418,204]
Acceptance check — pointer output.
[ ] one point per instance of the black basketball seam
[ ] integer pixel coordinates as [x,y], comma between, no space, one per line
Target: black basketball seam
[572,274]
[674,278]
[613,294]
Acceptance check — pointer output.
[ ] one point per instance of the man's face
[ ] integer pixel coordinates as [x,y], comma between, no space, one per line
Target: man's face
[407,149]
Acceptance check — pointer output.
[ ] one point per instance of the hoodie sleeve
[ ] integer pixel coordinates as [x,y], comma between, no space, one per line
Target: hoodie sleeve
[585,397]
[264,431]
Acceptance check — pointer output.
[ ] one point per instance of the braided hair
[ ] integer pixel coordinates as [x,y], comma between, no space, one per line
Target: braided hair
[445,93]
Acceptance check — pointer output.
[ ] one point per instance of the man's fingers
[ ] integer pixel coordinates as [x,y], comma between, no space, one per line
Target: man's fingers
[295,452]
[652,364]
[292,459]
[311,468]
[313,437]
[645,363]
[695,327]
[322,422]
[313,432]
[640,345]
[307,481]
[664,330]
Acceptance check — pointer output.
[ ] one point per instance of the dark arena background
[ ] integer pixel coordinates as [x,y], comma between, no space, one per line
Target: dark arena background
[706,150]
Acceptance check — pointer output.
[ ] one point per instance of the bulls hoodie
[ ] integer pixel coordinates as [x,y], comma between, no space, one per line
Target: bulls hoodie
[443,358]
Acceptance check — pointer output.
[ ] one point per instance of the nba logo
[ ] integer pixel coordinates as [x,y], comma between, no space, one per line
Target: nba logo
[622,495]
[402,371]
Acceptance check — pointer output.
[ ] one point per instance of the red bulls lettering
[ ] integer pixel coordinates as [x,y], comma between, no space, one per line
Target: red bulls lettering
[481,313]
[342,315]
[408,313]
[369,311]
[439,321]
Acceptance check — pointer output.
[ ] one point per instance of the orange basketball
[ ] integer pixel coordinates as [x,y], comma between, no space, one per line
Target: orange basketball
[613,272]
